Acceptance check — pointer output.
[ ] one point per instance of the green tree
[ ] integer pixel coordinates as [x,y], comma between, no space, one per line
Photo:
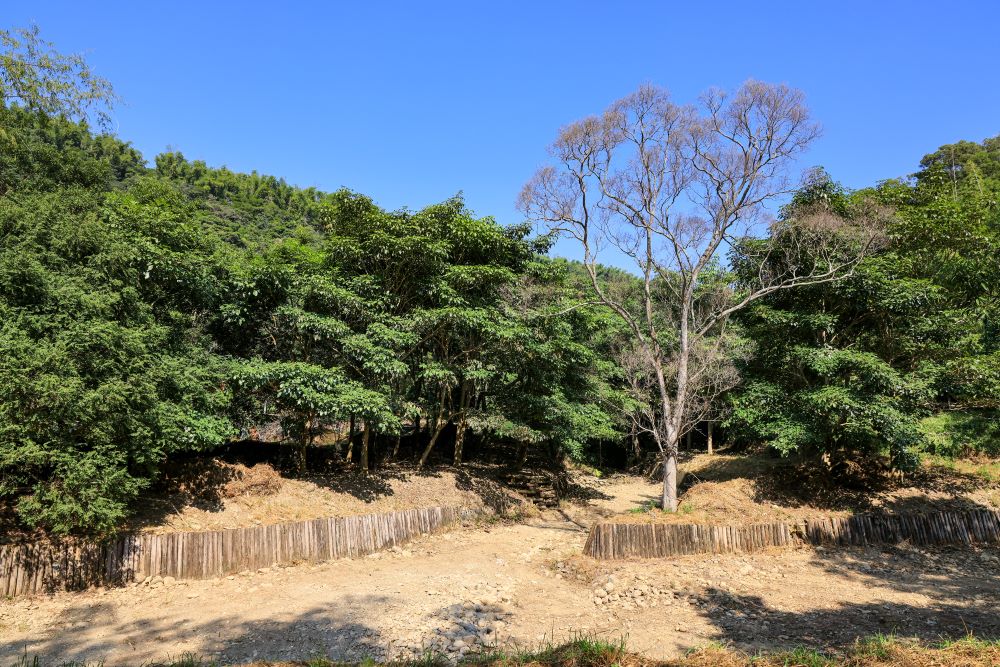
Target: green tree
[852,367]
[35,76]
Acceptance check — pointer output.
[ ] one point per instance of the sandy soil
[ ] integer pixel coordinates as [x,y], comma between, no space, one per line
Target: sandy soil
[521,583]
[220,504]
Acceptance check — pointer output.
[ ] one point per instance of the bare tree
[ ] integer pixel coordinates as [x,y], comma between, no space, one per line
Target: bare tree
[672,188]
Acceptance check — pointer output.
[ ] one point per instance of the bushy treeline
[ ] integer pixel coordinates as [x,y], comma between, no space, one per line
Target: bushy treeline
[146,312]
[152,311]
[904,355]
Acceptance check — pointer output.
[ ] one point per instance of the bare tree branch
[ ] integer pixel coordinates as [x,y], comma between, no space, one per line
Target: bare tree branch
[669,187]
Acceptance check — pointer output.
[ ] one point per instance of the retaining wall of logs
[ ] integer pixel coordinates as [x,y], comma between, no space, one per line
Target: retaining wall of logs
[658,540]
[26,569]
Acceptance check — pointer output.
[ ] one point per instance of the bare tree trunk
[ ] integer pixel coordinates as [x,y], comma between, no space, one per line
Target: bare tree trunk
[670,480]
[459,440]
[439,425]
[460,427]
[350,442]
[300,457]
[395,448]
[710,448]
[364,446]
[430,445]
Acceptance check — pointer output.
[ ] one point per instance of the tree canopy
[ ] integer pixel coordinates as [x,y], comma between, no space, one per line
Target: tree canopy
[154,311]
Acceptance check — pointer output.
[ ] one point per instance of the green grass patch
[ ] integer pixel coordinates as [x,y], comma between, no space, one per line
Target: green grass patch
[985,469]
[957,434]
[647,506]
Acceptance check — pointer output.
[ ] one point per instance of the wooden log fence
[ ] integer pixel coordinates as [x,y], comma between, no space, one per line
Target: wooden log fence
[659,540]
[40,568]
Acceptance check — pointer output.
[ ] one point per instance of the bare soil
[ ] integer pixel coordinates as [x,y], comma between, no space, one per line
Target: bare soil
[501,583]
[215,495]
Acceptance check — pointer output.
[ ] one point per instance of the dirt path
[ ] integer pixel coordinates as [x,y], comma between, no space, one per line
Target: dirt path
[523,583]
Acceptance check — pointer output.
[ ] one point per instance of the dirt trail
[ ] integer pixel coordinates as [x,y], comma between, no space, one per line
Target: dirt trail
[518,583]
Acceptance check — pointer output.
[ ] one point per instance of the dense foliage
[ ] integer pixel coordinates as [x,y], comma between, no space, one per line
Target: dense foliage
[152,311]
[911,336]
[149,312]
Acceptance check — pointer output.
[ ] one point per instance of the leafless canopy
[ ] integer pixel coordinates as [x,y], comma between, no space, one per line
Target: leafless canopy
[672,188]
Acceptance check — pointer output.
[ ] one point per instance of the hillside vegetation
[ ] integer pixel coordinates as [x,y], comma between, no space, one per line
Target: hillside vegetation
[153,311]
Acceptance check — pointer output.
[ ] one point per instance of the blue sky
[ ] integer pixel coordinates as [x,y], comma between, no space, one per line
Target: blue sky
[412,102]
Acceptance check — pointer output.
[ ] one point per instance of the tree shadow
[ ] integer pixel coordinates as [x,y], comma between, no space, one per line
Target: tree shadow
[486,481]
[956,593]
[583,493]
[364,486]
[857,486]
[93,633]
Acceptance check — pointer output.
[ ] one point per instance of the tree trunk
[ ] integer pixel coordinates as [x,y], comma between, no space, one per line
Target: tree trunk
[670,481]
[395,448]
[304,442]
[300,458]
[460,427]
[350,442]
[710,447]
[459,440]
[430,445]
[364,446]
[439,423]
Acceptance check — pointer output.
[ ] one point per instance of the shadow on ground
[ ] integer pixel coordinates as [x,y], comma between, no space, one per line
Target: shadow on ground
[202,483]
[856,486]
[955,593]
[484,481]
[94,635]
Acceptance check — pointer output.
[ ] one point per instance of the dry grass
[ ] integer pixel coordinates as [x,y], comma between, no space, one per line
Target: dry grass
[756,489]
[880,651]
[261,480]
[215,495]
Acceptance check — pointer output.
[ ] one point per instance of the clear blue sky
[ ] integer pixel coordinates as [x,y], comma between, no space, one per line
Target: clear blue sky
[412,102]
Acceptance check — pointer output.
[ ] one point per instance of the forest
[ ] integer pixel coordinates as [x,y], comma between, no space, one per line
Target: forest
[152,310]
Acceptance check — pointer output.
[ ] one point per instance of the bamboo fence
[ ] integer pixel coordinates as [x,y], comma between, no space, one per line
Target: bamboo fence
[652,540]
[39,568]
